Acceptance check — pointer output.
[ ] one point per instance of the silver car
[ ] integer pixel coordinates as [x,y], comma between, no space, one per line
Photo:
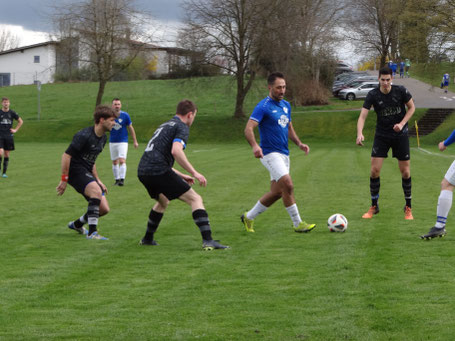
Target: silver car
[359,91]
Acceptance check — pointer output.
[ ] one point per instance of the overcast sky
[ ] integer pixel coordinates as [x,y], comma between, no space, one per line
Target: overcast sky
[33,15]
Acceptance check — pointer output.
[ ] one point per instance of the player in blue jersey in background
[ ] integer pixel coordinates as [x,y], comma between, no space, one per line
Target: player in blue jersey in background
[445,82]
[445,197]
[118,142]
[273,117]
[402,64]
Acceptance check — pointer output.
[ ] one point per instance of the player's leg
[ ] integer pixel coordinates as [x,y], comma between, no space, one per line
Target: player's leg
[113,148]
[201,219]
[401,151]
[444,204]
[122,152]
[2,152]
[95,197]
[6,160]
[375,184]
[155,216]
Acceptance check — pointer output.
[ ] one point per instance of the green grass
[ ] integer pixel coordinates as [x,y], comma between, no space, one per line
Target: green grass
[377,281]
[432,73]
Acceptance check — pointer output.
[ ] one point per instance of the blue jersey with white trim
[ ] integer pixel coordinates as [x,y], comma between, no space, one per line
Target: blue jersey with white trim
[273,118]
[119,133]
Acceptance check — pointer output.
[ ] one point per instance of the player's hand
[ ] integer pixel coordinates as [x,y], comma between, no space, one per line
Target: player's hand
[397,127]
[61,187]
[188,179]
[202,180]
[103,186]
[359,140]
[13,131]
[305,148]
[257,151]
[441,146]
[136,145]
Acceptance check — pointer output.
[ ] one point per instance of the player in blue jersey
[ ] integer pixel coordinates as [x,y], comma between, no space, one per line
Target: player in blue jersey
[7,133]
[118,142]
[390,103]
[272,116]
[445,82]
[402,65]
[445,197]
[79,170]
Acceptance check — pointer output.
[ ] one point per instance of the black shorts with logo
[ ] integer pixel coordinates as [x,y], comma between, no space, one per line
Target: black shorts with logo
[7,142]
[399,145]
[79,178]
[169,184]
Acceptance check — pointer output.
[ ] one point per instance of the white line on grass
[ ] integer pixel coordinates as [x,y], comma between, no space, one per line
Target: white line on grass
[435,154]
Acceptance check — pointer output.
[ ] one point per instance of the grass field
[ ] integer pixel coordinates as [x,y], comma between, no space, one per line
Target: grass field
[377,281]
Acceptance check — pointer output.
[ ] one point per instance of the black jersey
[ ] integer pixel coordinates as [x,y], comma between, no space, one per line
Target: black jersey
[157,158]
[85,148]
[6,121]
[390,109]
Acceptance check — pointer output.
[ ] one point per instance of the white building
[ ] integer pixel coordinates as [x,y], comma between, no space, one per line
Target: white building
[28,64]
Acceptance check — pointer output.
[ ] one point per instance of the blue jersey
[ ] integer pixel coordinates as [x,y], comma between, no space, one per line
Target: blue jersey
[445,79]
[273,118]
[402,66]
[119,133]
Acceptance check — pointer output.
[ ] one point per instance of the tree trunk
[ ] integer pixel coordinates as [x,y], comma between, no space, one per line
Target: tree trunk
[101,87]
[240,98]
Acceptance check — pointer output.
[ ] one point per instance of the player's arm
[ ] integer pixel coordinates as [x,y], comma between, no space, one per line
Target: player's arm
[249,135]
[95,174]
[294,138]
[360,124]
[66,160]
[443,144]
[411,109]
[18,126]
[133,135]
[180,157]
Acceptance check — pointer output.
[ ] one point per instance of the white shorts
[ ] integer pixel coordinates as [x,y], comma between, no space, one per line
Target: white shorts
[277,164]
[450,175]
[118,150]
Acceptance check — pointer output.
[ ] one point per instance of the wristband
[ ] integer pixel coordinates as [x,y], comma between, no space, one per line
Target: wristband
[64,178]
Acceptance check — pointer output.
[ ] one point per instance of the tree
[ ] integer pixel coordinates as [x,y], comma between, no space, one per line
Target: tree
[98,33]
[8,40]
[226,32]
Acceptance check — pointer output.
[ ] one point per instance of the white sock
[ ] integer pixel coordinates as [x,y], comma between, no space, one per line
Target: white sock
[256,210]
[444,205]
[115,170]
[122,172]
[294,214]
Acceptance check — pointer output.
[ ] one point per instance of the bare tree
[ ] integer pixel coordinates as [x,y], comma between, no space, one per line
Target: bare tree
[99,33]
[227,31]
[8,40]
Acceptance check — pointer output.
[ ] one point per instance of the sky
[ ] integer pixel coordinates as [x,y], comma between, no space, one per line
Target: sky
[29,19]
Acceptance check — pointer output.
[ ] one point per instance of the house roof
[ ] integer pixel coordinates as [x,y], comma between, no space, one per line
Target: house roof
[51,42]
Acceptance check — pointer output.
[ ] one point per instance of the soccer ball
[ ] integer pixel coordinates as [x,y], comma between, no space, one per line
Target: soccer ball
[337,223]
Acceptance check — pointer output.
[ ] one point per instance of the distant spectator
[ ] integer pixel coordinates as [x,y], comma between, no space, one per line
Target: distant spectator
[445,82]
[394,68]
[402,65]
[407,66]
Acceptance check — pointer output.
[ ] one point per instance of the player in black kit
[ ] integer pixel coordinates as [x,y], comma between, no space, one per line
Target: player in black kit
[389,102]
[6,132]
[165,183]
[79,170]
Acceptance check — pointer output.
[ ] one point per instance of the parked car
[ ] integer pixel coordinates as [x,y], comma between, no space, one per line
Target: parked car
[343,67]
[348,77]
[359,91]
[352,83]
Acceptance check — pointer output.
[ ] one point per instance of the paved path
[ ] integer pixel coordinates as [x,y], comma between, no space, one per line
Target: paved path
[425,95]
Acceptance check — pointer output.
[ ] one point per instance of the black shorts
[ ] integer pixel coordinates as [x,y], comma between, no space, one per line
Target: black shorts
[79,178]
[399,145]
[169,184]
[7,142]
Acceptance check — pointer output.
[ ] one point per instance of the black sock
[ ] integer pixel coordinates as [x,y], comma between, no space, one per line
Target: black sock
[201,219]
[1,160]
[152,224]
[93,213]
[374,190]
[5,164]
[406,184]
[81,221]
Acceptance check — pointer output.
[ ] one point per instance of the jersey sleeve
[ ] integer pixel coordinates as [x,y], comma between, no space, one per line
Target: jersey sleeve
[181,135]
[368,101]
[258,113]
[15,115]
[450,139]
[128,119]
[76,144]
[406,94]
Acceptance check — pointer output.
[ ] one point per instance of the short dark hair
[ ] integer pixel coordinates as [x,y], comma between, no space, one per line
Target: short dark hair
[115,99]
[385,70]
[103,111]
[5,99]
[185,106]
[273,76]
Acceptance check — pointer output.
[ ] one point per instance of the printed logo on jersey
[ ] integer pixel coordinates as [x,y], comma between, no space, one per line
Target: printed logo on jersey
[283,121]
[285,109]
[117,126]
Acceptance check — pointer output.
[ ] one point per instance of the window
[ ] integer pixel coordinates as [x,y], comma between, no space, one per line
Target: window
[36,59]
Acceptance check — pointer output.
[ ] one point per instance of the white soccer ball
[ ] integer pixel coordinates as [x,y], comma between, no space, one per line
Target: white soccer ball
[337,223]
